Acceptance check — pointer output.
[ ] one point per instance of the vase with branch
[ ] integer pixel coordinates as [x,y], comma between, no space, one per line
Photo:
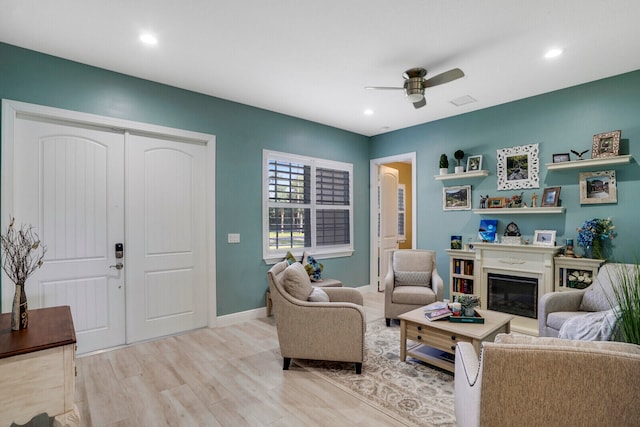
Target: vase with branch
[22,255]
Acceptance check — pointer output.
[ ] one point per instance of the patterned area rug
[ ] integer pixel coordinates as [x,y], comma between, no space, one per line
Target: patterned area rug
[411,392]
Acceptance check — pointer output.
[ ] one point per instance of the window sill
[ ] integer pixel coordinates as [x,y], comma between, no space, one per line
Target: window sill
[319,256]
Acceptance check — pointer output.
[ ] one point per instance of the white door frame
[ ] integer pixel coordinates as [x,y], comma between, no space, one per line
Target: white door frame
[373,209]
[10,111]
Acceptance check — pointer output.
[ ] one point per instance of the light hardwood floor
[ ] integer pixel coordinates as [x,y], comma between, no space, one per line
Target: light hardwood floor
[227,376]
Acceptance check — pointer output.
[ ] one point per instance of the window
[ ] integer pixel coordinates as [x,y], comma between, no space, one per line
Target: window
[307,206]
[402,188]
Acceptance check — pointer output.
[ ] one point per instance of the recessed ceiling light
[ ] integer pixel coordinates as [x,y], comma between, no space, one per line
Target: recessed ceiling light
[368,112]
[553,53]
[148,39]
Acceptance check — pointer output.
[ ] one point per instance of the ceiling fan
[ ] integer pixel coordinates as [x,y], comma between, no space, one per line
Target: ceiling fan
[415,83]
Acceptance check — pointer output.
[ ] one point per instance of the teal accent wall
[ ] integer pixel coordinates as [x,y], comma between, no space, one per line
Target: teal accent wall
[559,121]
[242,132]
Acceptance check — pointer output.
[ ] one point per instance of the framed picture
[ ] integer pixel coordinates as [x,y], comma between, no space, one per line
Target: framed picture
[562,157]
[606,144]
[550,197]
[496,202]
[456,242]
[474,163]
[456,198]
[544,238]
[518,167]
[598,187]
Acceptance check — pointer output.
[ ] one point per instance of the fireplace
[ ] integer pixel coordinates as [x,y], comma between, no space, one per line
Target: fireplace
[511,294]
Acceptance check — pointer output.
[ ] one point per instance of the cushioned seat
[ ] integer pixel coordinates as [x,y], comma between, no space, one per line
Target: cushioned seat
[412,281]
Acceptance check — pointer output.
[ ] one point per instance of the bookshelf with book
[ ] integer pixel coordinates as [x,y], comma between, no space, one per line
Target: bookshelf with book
[461,272]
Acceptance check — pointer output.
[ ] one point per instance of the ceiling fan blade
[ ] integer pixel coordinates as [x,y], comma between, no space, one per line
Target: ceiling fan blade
[420,104]
[446,77]
[382,88]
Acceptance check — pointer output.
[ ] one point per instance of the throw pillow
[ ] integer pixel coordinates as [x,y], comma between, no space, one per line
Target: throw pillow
[318,295]
[296,282]
[412,278]
[290,258]
[312,267]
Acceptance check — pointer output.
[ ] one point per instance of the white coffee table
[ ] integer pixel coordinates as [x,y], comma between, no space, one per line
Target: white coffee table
[434,342]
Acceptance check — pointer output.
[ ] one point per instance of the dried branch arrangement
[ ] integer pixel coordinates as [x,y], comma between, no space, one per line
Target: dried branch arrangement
[22,252]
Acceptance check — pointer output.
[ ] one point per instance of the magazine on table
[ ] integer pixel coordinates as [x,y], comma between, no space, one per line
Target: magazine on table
[442,313]
[438,305]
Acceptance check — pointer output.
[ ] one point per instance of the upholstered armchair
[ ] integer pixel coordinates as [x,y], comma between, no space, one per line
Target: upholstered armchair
[412,281]
[556,308]
[521,380]
[326,327]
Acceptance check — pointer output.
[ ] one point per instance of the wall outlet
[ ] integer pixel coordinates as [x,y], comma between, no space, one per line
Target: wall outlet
[233,238]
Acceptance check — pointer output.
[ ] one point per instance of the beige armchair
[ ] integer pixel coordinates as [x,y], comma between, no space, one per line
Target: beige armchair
[332,330]
[555,308]
[524,381]
[412,281]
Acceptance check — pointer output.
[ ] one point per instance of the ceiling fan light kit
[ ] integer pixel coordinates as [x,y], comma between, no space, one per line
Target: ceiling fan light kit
[415,83]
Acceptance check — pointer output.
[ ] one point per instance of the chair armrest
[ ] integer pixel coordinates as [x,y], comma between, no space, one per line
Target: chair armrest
[437,284]
[557,301]
[344,295]
[468,385]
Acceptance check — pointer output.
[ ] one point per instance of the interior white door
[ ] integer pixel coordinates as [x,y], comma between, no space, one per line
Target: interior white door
[388,216]
[69,184]
[166,235]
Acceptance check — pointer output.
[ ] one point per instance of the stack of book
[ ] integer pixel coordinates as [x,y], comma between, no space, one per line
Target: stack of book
[437,310]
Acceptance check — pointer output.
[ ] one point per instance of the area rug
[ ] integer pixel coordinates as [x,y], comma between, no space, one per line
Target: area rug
[411,392]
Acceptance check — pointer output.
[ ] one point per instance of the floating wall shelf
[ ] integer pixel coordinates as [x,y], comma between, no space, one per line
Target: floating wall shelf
[520,211]
[463,175]
[589,163]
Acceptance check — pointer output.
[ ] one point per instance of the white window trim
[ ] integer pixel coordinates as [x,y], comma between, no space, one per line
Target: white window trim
[323,252]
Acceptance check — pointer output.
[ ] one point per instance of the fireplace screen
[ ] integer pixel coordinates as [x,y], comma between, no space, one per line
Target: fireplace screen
[513,294]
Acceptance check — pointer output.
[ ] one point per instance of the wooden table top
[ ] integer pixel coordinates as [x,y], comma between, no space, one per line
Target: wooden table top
[48,328]
[492,321]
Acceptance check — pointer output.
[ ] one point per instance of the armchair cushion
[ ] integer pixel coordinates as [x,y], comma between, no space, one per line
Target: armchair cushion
[318,295]
[296,282]
[416,295]
[412,278]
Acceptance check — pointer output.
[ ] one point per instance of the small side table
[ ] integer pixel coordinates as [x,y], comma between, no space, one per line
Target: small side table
[38,368]
[580,268]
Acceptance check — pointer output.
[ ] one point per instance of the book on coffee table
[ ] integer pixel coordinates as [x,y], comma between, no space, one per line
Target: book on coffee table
[442,313]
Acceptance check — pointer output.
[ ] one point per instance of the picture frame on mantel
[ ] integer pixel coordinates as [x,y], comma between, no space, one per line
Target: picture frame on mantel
[518,167]
[606,144]
[598,187]
[544,238]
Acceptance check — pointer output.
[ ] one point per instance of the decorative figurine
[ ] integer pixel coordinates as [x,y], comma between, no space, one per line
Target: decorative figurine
[483,201]
[579,155]
[534,199]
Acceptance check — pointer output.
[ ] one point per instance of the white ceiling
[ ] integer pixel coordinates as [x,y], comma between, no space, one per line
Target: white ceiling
[312,59]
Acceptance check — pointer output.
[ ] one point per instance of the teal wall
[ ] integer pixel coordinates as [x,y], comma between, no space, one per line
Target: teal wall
[242,132]
[558,121]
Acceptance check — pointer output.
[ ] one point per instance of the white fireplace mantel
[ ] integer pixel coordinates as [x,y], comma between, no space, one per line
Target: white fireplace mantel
[523,260]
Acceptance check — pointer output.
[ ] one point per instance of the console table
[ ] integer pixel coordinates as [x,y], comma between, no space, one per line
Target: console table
[37,368]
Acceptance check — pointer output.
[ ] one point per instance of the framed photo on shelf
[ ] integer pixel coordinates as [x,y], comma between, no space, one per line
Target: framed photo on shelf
[496,202]
[598,187]
[544,238]
[456,198]
[562,157]
[550,197]
[606,144]
[518,167]
[474,163]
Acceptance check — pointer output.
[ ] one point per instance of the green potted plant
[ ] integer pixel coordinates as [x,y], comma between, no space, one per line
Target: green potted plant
[444,164]
[459,156]
[626,297]
[468,304]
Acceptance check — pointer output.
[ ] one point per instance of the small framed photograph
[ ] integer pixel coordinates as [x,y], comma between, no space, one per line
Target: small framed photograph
[550,197]
[562,157]
[544,238]
[606,144]
[456,242]
[474,163]
[496,202]
[456,198]
[598,187]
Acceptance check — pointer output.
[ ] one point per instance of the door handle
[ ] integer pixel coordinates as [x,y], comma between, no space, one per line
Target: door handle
[118,266]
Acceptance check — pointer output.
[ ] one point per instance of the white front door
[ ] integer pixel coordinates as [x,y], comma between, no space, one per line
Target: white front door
[388,206]
[166,223]
[69,184]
